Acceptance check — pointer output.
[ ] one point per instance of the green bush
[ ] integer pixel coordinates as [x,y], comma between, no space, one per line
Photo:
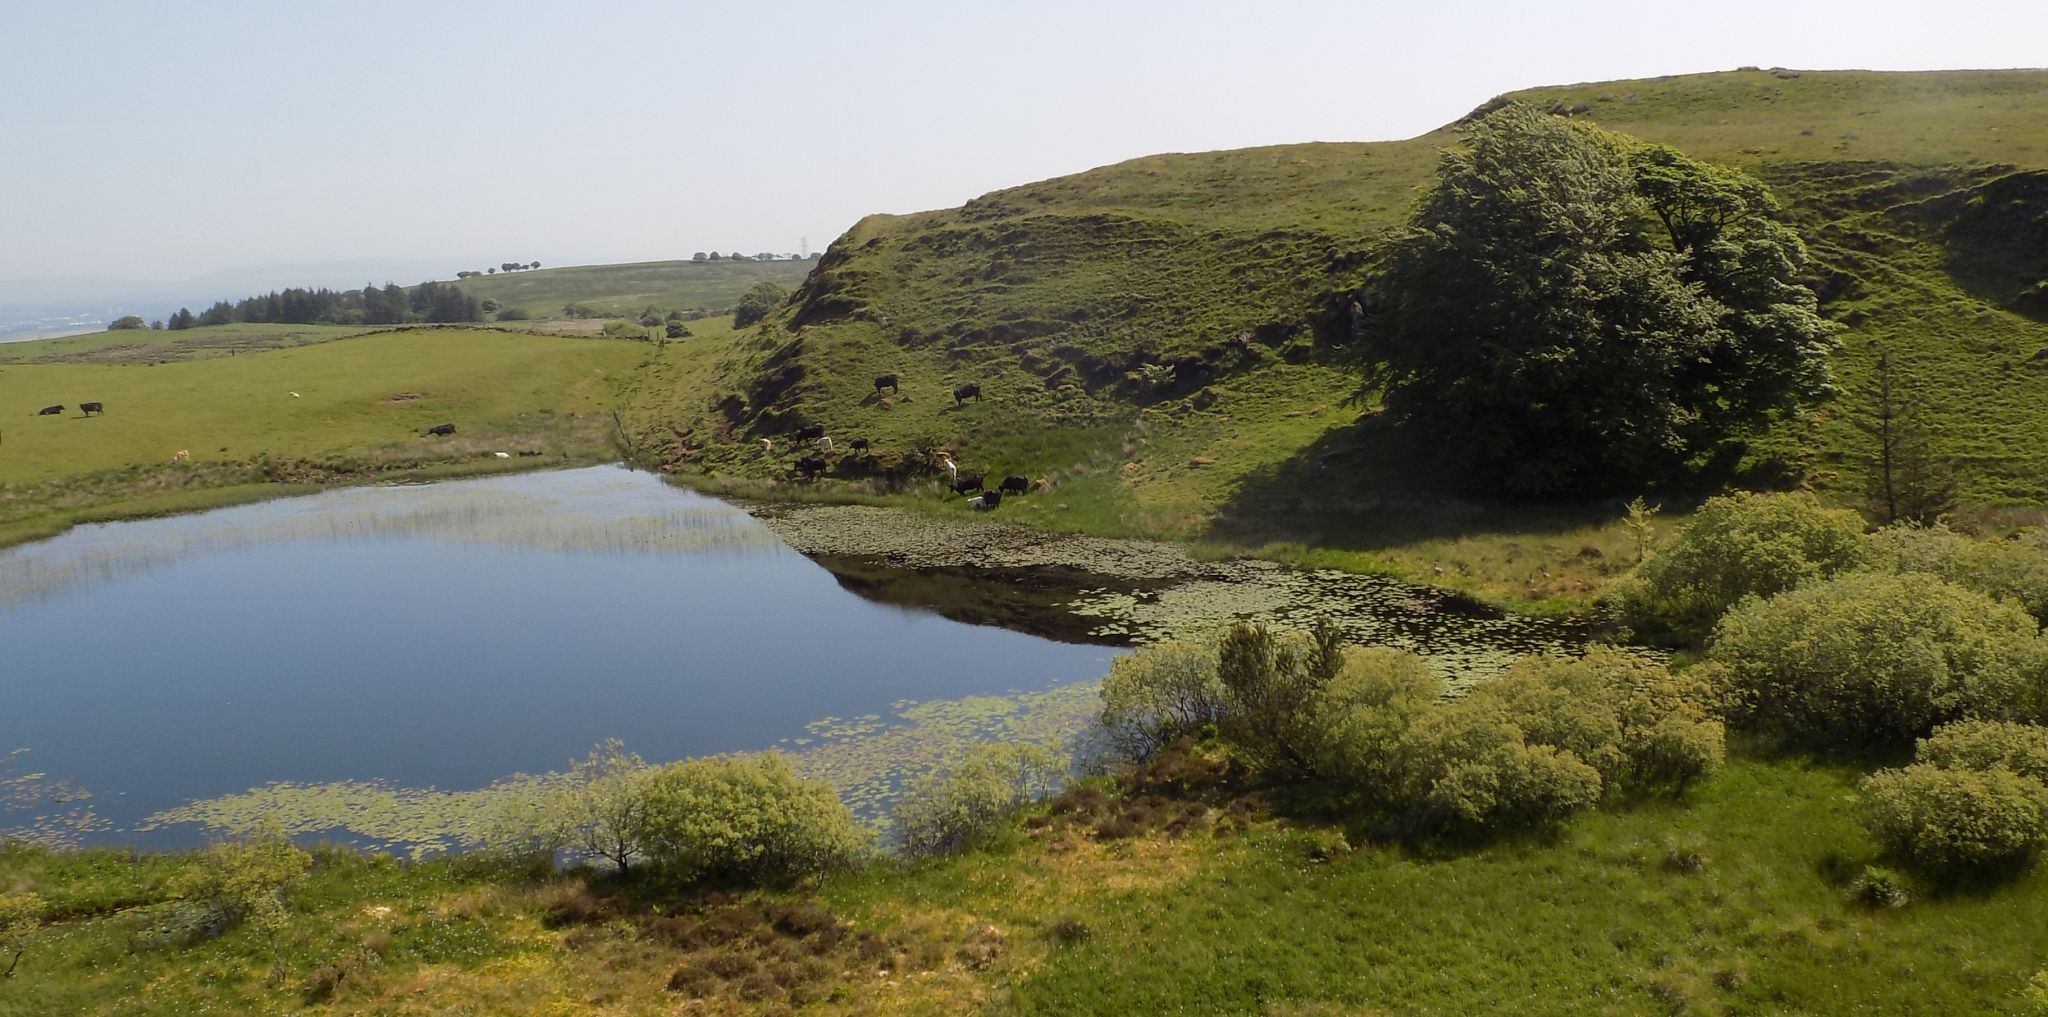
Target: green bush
[757,302]
[2014,570]
[1987,745]
[1474,772]
[1737,546]
[1880,887]
[1553,736]
[746,820]
[237,882]
[1641,724]
[1272,690]
[513,314]
[1956,820]
[1359,739]
[967,802]
[600,811]
[1868,658]
[624,329]
[1160,693]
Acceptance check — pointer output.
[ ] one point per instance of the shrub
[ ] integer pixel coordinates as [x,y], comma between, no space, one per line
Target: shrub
[746,819]
[1880,887]
[1160,693]
[513,314]
[1474,773]
[2014,570]
[1737,546]
[1554,735]
[624,329]
[1955,820]
[1868,658]
[234,882]
[600,812]
[1986,745]
[1358,740]
[755,304]
[1272,687]
[966,803]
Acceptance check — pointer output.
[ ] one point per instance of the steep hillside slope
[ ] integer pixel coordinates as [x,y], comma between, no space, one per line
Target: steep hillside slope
[1157,336]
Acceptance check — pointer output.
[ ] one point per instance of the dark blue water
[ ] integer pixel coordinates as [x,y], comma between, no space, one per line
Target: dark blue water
[448,635]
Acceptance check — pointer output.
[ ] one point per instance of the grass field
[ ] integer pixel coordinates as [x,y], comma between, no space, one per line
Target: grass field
[631,288]
[361,408]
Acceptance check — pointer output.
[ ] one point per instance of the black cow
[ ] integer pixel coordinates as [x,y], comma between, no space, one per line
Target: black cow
[811,466]
[91,408]
[970,389]
[811,433]
[968,482]
[442,429]
[1014,484]
[858,444]
[887,381]
[49,411]
[987,500]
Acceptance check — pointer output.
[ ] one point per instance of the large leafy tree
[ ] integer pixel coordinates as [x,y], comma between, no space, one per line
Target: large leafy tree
[1572,312]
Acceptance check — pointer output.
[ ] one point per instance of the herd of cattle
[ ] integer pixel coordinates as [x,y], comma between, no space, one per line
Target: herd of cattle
[811,466]
[808,467]
[84,409]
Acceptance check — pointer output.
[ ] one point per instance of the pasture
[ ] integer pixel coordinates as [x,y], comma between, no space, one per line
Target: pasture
[362,407]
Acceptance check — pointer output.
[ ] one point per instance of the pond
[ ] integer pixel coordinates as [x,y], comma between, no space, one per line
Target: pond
[382,665]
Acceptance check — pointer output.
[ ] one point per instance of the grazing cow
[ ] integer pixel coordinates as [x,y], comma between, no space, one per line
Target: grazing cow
[946,463]
[502,455]
[887,381]
[91,408]
[970,389]
[443,430]
[1014,484]
[811,466]
[824,443]
[182,455]
[767,446]
[987,500]
[811,433]
[970,482]
[858,444]
[49,411]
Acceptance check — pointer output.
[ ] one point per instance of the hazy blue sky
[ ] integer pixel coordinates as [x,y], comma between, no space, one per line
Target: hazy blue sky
[166,139]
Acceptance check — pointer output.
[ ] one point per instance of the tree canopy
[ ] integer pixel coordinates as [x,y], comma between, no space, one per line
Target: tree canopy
[1570,311]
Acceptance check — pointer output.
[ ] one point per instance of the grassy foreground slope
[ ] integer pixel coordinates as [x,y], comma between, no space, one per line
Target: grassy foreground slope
[1157,336]
[361,406]
[1736,902]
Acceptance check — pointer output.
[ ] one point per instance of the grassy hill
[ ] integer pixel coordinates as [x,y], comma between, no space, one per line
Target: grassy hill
[619,289]
[1155,336]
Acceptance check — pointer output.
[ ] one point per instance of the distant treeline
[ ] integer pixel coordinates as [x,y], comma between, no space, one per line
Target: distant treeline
[390,305]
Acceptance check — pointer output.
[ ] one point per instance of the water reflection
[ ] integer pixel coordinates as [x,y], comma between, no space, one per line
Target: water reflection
[605,510]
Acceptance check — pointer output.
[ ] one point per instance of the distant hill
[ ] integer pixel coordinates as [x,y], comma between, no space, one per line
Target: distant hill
[619,289]
[1155,333]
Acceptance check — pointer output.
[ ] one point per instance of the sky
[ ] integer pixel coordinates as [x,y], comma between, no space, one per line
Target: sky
[164,139]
